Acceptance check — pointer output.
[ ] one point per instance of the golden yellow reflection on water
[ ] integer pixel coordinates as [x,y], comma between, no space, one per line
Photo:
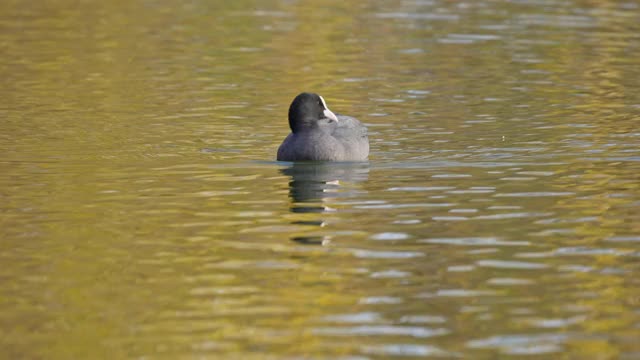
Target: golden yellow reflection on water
[142,214]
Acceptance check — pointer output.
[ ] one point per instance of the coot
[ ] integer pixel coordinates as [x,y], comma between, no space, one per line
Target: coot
[317,134]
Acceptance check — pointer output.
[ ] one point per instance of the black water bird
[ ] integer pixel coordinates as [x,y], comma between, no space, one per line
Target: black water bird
[317,134]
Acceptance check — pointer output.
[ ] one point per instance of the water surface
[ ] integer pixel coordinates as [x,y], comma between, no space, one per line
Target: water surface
[142,214]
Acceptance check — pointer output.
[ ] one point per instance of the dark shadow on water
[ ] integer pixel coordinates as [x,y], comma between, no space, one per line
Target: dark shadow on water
[312,181]
[309,240]
[313,185]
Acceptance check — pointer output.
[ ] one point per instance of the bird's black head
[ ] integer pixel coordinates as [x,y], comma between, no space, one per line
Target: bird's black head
[309,110]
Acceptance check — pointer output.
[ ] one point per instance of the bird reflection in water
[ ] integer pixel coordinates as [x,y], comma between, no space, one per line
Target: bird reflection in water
[315,185]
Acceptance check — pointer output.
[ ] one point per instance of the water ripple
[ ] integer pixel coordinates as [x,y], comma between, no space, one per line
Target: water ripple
[474,241]
[421,188]
[512,215]
[423,319]
[509,281]
[375,300]
[373,254]
[581,250]
[390,236]
[536,194]
[387,330]
[390,274]
[417,16]
[464,293]
[407,350]
[399,206]
[363,317]
[522,344]
[504,264]
[556,323]
[623,238]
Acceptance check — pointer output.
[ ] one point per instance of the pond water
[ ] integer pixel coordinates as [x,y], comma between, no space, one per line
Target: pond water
[143,214]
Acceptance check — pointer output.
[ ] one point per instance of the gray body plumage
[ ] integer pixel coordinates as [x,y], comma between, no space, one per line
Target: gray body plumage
[324,139]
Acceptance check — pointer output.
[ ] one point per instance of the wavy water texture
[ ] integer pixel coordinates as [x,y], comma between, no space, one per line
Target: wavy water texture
[142,214]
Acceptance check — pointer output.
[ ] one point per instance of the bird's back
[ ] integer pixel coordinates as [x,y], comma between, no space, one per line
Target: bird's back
[352,134]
